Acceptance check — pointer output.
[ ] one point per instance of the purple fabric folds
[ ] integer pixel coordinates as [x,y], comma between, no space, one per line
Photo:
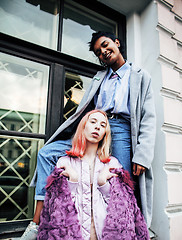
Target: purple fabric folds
[59,217]
[124,219]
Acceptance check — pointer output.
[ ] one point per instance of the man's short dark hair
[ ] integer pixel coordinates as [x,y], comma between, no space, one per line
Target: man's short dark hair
[97,35]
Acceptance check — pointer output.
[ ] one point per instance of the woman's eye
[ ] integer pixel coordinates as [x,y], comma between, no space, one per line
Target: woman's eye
[92,121]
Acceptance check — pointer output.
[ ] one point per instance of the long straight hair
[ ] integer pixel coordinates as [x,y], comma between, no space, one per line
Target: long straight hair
[79,140]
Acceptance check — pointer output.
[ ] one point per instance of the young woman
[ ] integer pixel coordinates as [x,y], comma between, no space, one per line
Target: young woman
[86,197]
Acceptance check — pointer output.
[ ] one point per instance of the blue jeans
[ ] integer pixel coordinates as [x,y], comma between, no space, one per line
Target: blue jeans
[46,161]
[49,154]
[121,142]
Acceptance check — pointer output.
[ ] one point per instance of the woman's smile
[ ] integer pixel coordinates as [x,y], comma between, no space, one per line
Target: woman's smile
[108,52]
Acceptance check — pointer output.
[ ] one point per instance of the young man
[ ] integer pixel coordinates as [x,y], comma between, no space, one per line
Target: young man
[124,92]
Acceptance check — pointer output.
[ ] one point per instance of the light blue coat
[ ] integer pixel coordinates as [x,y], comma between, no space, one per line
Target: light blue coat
[143,128]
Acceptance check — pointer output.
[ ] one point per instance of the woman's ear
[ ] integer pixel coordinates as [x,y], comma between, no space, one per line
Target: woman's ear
[117,42]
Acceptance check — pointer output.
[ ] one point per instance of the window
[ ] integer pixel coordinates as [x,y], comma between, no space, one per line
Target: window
[24,87]
[24,100]
[39,22]
[75,87]
[31,20]
[78,19]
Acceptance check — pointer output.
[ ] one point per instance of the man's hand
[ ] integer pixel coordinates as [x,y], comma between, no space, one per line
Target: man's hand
[138,169]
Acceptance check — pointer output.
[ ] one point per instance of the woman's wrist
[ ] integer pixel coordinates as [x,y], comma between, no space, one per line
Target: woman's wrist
[73,177]
[101,181]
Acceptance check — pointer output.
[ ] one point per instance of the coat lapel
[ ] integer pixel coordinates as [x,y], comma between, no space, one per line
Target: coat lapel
[135,82]
[97,80]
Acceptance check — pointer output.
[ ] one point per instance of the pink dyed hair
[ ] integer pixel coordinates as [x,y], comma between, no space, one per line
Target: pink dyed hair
[79,140]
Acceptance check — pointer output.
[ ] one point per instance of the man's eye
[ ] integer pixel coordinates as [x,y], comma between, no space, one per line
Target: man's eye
[98,54]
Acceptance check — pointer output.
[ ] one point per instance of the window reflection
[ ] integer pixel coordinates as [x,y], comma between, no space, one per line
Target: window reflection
[23,94]
[35,21]
[78,25]
[75,87]
[24,87]
[17,163]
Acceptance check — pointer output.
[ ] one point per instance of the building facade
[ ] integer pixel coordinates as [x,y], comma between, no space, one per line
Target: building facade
[45,68]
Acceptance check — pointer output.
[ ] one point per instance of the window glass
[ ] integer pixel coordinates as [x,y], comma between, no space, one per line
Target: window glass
[35,21]
[78,25]
[24,86]
[17,163]
[75,87]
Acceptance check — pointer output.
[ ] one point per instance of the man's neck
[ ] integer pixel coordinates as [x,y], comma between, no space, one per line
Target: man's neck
[118,64]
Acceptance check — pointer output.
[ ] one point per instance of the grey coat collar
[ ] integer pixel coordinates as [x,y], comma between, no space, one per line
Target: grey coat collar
[97,80]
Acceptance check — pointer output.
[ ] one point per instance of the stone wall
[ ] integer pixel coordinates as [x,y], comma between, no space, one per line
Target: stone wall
[170,58]
[154,41]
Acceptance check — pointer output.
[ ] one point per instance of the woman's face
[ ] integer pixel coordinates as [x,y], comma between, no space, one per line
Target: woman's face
[95,127]
[108,52]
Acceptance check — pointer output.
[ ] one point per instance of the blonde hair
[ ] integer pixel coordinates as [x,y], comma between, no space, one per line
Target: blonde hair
[79,140]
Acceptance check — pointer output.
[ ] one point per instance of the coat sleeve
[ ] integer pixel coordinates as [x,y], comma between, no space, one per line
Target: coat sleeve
[59,216]
[144,149]
[72,185]
[105,191]
[124,218]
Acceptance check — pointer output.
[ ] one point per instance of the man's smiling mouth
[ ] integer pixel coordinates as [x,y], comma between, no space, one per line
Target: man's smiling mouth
[107,55]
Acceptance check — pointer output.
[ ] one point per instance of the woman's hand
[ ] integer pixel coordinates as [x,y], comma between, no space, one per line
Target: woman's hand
[105,175]
[69,172]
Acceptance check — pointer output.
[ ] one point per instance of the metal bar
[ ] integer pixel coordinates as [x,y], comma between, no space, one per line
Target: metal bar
[22,134]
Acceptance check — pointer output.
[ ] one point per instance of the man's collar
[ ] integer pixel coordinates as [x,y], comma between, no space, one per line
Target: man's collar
[120,71]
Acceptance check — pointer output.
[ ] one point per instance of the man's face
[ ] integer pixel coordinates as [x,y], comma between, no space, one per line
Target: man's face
[108,52]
